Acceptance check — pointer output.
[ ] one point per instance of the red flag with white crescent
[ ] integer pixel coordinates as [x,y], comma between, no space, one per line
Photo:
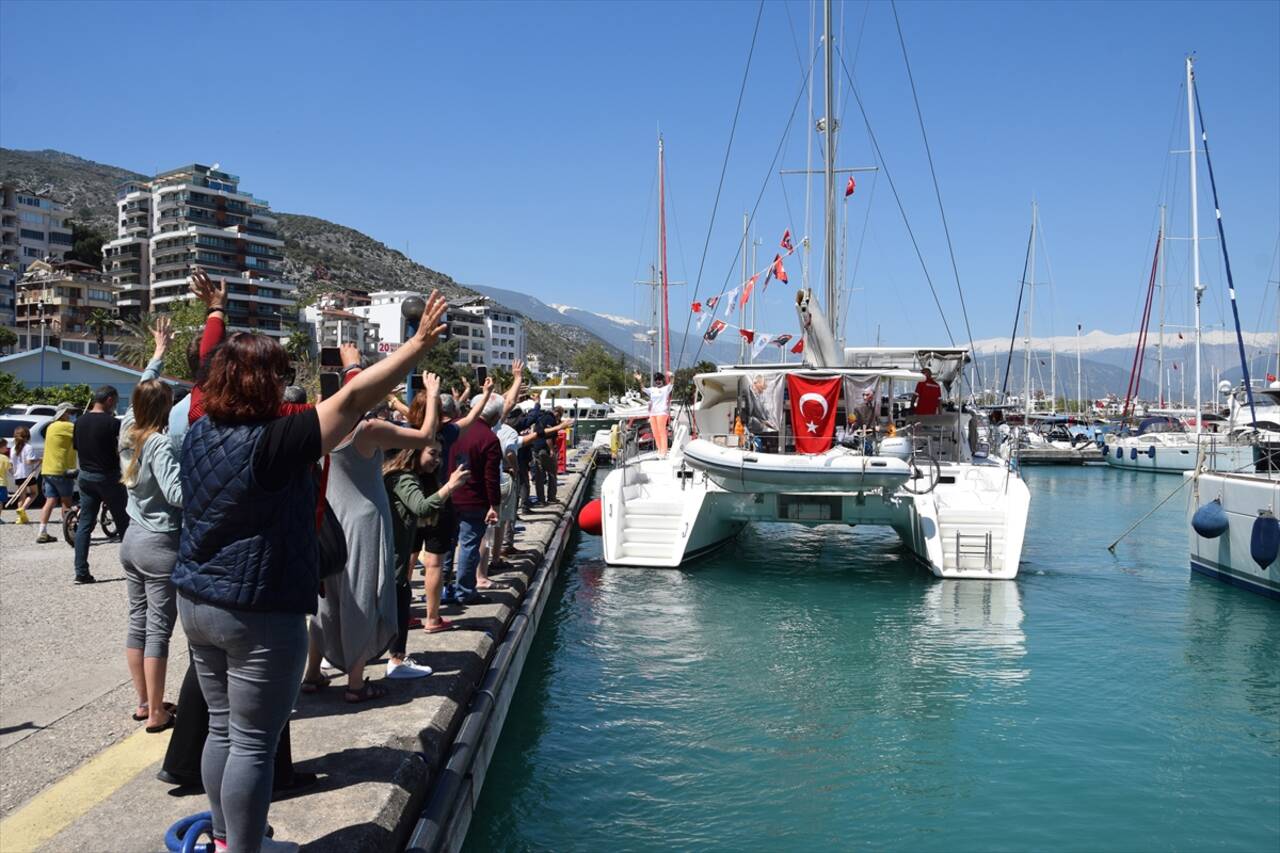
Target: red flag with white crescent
[747,288]
[850,187]
[798,348]
[813,412]
[786,241]
[749,334]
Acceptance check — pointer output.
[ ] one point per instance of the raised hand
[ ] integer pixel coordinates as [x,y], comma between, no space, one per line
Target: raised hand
[487,387]
[430,327]
[162,333]
[458,477]
[430,384]
[517,369]
[213,296]
[350,355]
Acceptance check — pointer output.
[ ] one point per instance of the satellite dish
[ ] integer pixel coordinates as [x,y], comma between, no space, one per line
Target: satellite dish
[215,167]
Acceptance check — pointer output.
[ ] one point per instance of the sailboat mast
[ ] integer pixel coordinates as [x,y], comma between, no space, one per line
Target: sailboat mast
[662,259]
[829,168]
[1160,339]
[1198,288]
[742,309]
[1031,309]
[1079,375]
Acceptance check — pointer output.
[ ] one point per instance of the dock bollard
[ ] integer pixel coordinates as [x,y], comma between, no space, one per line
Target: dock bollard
[183,836]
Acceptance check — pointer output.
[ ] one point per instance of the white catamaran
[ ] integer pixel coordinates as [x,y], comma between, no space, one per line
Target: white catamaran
[935,477]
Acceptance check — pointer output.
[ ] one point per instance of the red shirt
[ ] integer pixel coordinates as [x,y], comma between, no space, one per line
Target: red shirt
[928,395]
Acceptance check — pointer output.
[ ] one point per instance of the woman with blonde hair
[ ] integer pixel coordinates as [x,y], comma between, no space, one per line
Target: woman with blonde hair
[150,547]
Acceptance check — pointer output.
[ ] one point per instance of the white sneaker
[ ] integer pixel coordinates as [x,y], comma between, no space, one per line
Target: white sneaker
[407,669]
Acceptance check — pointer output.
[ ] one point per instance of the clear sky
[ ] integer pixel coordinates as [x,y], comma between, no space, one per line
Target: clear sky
[513,145]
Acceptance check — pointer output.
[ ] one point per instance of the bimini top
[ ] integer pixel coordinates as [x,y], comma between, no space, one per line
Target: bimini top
[723,384]
[945,362]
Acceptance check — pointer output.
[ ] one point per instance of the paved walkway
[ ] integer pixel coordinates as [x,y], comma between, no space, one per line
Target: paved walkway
[76,772]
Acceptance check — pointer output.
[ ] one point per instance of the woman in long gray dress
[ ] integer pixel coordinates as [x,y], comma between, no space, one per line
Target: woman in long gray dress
[356,620]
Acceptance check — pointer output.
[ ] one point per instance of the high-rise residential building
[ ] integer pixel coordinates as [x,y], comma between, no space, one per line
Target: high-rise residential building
[68,303]
[32,228]
[197,216]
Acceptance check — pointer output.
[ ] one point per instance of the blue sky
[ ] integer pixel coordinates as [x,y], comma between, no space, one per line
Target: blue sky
[513,144]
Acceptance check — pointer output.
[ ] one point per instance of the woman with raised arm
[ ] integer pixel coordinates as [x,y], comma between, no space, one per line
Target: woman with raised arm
[247,557]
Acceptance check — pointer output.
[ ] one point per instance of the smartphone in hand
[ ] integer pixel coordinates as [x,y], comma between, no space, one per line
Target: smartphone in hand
[330,357]
[482,373]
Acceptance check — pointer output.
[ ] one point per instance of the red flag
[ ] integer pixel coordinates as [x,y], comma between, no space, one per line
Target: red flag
[849,187]
[786,241]
[778,272]
[799,347]
[781,340]
[717,326]
[747,288]
[749,334]
[813,412]
[697,307]
[1271,377]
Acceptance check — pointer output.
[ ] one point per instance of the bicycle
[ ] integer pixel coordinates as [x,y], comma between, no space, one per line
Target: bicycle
[71,519]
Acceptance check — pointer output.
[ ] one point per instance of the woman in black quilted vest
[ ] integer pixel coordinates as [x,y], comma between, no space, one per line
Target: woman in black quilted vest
[246,572]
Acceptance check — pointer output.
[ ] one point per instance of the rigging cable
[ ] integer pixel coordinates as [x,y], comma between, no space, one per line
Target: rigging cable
[1226,260]
[1017,317]
[733,129]
[897,198]
[964,310]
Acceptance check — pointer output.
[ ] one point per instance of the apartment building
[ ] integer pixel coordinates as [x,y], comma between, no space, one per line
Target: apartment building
[332,326]
[32,228]
[486,332]
[57,302]
[197,216]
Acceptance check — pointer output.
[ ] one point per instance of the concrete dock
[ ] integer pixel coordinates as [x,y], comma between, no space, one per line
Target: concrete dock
[77,773]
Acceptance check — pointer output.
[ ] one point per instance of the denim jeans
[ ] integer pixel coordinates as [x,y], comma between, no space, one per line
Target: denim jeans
[471,530]
[95,490]
[250,667]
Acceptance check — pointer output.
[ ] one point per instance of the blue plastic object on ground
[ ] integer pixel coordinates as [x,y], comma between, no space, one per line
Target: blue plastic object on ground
[184,836]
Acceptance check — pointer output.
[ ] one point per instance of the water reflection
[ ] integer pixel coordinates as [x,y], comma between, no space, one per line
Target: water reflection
[972,629]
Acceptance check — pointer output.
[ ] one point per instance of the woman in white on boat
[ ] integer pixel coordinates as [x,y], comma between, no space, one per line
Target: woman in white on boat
[659,409]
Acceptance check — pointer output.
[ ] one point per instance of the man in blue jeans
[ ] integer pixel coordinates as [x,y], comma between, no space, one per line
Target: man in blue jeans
[476,501]
[97,442]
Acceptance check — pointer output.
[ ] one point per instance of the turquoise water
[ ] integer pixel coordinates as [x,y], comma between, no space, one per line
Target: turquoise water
[817,689]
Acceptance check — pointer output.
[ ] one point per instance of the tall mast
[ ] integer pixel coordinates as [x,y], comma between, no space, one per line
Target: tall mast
[1031,310]
[829,167]
[662,259]
[742,309]
[1160,339]
[1198,288]
[1079,374]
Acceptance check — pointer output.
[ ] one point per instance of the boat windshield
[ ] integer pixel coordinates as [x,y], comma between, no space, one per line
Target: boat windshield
[1154,425]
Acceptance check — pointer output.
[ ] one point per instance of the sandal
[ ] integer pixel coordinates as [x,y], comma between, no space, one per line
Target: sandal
[367,691]
[445,625]
[315,685]
[414,622]
[167,724]
[168,706]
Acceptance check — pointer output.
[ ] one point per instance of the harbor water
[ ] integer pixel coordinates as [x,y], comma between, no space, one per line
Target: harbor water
[818,689]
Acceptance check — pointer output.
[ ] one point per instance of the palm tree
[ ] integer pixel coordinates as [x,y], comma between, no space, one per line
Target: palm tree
[136,342]
[298,344]
[99,320]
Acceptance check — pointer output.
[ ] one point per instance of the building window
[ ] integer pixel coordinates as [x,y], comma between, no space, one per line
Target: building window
[66,365]
[28,234]
[57,237]
[29,252]
[32,218]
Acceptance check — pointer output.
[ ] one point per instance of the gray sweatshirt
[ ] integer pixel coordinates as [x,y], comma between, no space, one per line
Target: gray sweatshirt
[155,501]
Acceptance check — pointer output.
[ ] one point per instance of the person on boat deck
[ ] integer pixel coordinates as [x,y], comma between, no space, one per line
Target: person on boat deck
[659,409]
[928,394]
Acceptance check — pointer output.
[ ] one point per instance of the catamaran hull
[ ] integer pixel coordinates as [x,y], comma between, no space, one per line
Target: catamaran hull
[738,470]
[664,514]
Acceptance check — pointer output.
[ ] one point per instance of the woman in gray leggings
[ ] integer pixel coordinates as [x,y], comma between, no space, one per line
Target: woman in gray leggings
[150,546]
[246,572]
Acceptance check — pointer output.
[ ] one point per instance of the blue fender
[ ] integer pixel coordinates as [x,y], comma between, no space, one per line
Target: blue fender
[1133,453]
[1210,520]
[1265,542]
[1151,451]
[1119,452]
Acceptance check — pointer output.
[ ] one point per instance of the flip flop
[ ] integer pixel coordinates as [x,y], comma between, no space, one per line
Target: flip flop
[414,622]
[168,706]
[445,625]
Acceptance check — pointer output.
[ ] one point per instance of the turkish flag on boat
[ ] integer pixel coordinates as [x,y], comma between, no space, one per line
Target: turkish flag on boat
[786,241]
[747,288]
[749,334]
[813,412]
[849,187]
[717,326]
[778,272]
[799,347]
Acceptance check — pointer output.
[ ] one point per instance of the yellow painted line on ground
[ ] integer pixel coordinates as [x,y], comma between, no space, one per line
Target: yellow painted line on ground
[60,805]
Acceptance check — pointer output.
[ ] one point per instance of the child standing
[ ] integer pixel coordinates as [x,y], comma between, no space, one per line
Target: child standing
[6,476]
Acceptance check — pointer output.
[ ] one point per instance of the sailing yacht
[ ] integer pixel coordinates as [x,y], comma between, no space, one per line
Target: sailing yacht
[935,478]
[1232,514]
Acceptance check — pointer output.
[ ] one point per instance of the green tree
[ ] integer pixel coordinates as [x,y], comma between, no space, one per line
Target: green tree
[603,374]
[683,382]
[440,361]
[8,338]
[99,320]
[12,392]
[136,344]
[86,245]
[298,344]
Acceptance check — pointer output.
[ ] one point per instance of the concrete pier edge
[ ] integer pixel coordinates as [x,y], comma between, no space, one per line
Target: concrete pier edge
[446,816]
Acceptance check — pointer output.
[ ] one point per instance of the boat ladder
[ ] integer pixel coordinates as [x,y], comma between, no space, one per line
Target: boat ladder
[974,545]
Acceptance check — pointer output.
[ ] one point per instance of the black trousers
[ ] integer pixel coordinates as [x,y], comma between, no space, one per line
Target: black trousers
[186,746]
[545,479]
[403,599]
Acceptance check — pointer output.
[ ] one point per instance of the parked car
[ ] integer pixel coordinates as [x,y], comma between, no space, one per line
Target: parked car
[36,423]
[35,409]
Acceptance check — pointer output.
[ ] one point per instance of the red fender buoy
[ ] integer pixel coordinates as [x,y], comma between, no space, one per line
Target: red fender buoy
[589,520]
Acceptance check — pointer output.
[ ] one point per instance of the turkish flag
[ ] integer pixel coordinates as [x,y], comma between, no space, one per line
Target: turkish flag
[849,187]
[778,272]
[813,412]
[799,347]
[747,288]
[749,334]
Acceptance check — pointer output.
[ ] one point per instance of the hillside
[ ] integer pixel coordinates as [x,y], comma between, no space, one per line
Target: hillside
[319,255]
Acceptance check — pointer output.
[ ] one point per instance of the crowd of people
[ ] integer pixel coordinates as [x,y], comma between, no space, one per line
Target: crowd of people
[284,534]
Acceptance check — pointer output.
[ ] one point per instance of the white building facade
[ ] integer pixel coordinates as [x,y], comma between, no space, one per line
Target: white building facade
[486,333]
[331,327]
[32,228]
[197,216]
